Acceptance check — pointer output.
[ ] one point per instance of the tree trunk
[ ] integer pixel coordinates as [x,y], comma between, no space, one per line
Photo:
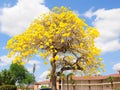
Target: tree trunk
[89,85]
[53,80]
[112,86]
[67,84]
[53,74]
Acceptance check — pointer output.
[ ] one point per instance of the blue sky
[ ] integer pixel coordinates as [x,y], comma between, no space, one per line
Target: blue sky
[16,15]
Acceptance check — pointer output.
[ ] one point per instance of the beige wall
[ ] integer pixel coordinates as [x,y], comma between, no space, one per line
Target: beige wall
[87,85]
[90,85]
[35,87]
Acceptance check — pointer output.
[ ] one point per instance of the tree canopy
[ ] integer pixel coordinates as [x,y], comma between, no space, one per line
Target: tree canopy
[62,36]
[6,77]
[16,74]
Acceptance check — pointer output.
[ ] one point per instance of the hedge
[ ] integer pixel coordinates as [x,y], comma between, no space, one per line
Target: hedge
[8,87]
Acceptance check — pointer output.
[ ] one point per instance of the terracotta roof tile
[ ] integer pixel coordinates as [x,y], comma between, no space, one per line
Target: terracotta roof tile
[43,82]
[114,75]
[94,77]
[30,87]
[84,78]
[89,77]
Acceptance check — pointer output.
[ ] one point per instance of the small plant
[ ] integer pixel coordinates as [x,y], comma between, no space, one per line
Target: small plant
[45,86]
[111,80]
[117,89]
[8,87]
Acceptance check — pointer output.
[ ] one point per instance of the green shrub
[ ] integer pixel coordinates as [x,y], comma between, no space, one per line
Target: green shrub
[44,86]
[117,89]
[23,88]
[8,87]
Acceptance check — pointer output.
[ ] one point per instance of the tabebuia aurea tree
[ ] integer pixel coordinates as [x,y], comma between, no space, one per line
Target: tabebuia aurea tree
[63,37]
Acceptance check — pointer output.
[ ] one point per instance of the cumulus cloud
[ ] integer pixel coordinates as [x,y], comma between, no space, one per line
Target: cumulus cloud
[4,60]
[116,67]
[43,76]
[89,13]
[108,24]
[14,20]
[31,62]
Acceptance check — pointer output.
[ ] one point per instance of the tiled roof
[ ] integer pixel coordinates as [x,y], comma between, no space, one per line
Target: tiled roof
[84,78]
[43,82]
[89,77]
[114,75]
[30,86]
[94,77]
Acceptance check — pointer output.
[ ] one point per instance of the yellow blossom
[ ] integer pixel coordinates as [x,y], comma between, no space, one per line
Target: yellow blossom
[51,59]
[56,57]
[45,63]
[22,63]
[40,37]
[51,47]
[62,40]
[81,44]
[41,46]
[60,31]
[50,40]
[47,44]
[100,59]
[9,55]
[14,61]
[55,51]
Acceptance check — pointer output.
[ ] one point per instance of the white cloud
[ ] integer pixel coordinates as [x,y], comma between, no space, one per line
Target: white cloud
[108,24]
[31,62]
[30,69]
[44,75]
[89,13]
[4,60]
[116,67]
[14,20]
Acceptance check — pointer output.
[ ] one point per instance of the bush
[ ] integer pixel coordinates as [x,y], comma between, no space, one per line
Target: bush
[117,88]
[44,86]
[8,87]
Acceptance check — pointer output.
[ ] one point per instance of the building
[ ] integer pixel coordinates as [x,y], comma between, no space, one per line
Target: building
[98,82]
[42,83]
[26,88]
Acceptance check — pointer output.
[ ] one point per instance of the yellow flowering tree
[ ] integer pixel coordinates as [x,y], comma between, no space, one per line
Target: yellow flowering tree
[63,37]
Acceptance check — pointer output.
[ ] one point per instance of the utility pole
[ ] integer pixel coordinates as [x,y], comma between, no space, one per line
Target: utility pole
[34,68]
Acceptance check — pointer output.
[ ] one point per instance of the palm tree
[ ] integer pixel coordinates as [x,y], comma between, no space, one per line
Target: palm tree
[7,77]
[62,78]
[69,76]
[111,80]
